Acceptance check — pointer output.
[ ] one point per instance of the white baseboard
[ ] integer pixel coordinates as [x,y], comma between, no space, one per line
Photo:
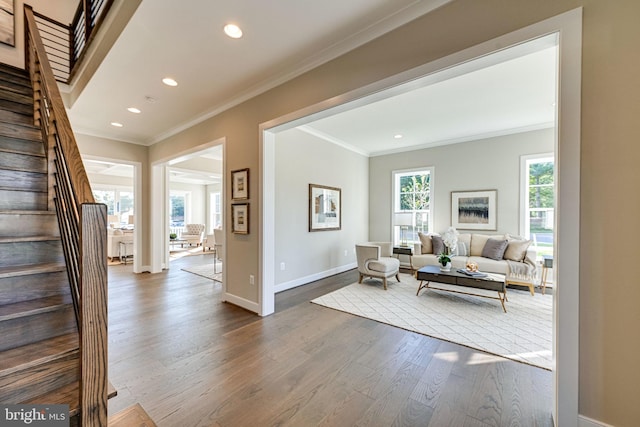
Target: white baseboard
[589,422]
[241,302]
[313,277]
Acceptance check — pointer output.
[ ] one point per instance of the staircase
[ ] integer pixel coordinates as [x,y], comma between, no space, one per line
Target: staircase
[39,349]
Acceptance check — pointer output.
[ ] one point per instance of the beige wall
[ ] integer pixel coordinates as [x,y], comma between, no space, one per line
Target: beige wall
[609,297]
[303,159]
[109,149]
[487,164]
[60,10]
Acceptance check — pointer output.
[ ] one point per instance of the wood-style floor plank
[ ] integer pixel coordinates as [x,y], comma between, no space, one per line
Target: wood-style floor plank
[191,360]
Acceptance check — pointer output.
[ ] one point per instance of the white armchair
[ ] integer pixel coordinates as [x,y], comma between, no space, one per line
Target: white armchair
[193,234]
[375,260]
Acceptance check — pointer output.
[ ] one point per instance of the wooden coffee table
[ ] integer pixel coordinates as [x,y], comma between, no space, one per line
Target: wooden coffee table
[490,282]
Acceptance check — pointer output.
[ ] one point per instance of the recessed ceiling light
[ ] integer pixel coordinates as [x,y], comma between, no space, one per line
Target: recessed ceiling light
[397,136]
[116,124]
[169,81]
[134,110]
[233,31]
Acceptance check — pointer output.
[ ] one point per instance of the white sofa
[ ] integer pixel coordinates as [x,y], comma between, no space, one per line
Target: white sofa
[518,257]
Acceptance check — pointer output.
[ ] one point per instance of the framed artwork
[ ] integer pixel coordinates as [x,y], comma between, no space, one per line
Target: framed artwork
[325,208]
[474,210]
[240,184]
[240,218]
[7,35]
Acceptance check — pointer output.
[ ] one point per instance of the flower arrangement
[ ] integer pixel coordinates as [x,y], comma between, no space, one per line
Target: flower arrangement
[450,240]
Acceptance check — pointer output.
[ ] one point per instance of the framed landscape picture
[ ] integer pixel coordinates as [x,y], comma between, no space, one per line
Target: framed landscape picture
[240,218]
[7,22]
[474,210]
[325,208]
[240,184]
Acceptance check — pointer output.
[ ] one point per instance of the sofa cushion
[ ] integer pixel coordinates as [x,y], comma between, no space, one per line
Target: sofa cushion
[494,249]
[477,244]
[425,242]
[384,265]
[516,249]
[437,244]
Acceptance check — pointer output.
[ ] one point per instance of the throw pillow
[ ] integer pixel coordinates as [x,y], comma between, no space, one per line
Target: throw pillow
[425,241]
[461,249]
[516,250]
[494,249]
[477,243]
[437,245]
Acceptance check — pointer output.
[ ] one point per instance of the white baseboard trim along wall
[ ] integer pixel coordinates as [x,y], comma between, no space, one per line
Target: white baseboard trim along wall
[313,277]
[588,422]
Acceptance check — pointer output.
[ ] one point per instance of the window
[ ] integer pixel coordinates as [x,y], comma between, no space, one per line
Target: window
[539,202]
[178,206]
[119,201]
[216,210]
[412,194]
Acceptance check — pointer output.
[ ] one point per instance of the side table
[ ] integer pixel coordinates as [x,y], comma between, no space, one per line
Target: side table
[547,263]
[122,251]
[405,250]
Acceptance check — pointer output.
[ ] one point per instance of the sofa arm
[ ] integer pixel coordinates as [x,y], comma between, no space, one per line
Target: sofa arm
[531,256]
[417,248]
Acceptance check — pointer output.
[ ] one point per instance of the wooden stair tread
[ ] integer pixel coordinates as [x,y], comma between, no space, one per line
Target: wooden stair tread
[32,307]
[68,395]
[65,395]
[23,189]
[25,212]
[25,270]
[24,153]
[133,416]
[37,353]
[7,239]
[16,118]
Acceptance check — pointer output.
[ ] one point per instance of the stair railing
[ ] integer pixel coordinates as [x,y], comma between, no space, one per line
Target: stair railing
[83,226]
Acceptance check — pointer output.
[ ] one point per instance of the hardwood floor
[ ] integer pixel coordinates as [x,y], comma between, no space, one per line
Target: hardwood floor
[191,360]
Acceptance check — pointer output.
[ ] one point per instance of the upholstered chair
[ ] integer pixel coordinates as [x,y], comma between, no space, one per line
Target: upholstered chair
[375,260]
[193,234]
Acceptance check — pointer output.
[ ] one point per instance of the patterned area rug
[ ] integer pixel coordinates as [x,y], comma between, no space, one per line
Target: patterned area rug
[206,270]
[522,334]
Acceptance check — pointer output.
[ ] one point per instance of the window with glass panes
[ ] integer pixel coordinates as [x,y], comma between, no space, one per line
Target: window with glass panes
[539,200]
[412,194]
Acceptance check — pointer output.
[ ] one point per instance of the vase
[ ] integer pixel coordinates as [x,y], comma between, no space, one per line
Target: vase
[446,267]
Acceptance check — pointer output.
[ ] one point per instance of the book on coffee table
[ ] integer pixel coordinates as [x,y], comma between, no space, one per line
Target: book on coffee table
[472,273]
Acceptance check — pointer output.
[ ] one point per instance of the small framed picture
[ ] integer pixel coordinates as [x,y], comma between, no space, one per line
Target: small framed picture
[240,184]
[240,218]
[325,208]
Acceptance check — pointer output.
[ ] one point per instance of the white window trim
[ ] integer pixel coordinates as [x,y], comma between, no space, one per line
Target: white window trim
[187,204]
[524,186]
[395,235]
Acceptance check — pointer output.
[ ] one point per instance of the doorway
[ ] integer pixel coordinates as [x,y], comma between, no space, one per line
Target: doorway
[567,28]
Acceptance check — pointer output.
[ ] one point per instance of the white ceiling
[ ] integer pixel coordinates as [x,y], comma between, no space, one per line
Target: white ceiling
[513,90]
[185,41]
[516,92]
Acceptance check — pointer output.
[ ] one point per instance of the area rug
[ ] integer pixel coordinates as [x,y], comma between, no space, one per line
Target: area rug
[522,334]
[206,270]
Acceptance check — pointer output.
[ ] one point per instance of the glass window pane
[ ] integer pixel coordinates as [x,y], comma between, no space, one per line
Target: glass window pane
[541,197]
[107,197]
[541,173]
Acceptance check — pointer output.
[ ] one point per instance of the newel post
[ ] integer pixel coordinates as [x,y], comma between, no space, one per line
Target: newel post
[93,313]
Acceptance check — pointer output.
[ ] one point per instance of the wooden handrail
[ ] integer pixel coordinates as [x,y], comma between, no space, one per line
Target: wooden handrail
[83,226]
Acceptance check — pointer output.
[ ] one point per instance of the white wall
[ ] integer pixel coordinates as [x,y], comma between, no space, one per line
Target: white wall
[302,159]
[198,211]
[488,164]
